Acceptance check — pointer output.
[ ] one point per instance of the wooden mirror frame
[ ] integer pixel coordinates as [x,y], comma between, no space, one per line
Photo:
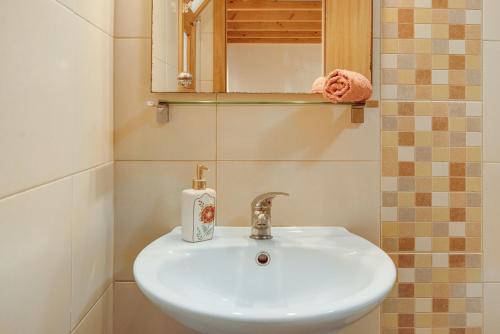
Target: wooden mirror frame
[347,39]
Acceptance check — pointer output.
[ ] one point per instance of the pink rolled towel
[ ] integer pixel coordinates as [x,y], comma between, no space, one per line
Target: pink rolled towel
[318,85]
[345,86]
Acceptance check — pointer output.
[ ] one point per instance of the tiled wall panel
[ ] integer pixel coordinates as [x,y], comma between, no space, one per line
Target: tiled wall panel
[432,165]
[155,162]
[56,181]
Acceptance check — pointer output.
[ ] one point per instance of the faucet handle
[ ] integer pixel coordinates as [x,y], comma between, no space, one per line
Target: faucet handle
[265,200]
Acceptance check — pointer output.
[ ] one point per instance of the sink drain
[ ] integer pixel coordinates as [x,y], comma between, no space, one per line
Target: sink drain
[263,258]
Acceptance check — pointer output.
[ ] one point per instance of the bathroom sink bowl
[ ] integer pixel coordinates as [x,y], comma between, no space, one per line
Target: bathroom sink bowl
[304,280]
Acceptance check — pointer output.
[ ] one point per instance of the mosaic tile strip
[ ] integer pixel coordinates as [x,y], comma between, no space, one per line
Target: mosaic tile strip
[431,165]
[431,50]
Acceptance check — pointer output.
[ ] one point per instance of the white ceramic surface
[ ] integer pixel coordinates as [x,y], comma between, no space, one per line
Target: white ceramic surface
[319,279]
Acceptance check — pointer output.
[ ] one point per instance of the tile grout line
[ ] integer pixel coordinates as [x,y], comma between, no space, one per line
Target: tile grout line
[83,18]
[110,286]
[43,184]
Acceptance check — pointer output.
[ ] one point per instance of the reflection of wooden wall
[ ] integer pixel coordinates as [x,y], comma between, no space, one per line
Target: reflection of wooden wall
[345,25]
[348,35]
[270,21]
[219,46]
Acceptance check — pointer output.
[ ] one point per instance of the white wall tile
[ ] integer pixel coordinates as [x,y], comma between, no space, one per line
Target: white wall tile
[37,118]
[473,17]
[56,94]
[491,24]
[273,68]
[296,133]
[92,239]
[93,98]
[423,3]
[321,193]
[491,103]
[147,205]
[189,136]
[99,12]
[133,18]
[99,320]
[423,30]
[491,308]
[134,314]
[35,260]
[491,222]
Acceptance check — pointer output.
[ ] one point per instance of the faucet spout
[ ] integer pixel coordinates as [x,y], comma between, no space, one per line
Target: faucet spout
[261,215]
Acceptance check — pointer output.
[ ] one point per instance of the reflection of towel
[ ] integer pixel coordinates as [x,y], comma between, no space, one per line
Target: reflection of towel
[344,86]
[318,85]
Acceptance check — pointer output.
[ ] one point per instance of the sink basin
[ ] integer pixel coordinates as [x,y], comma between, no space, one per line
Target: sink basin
[304,280]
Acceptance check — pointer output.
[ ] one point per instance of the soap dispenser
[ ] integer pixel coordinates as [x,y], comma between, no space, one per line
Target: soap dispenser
[198,209]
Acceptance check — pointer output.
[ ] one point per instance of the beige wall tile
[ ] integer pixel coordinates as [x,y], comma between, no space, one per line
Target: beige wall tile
[491,103]
[491,223]
[147,205]
[376,61]
[321,193]
[133,18]
[98,12]
[296,133]
[99,320]
[94,98]
[491,308]
[491,25]
[369,324]
[57,100]
[376,18]
[189,135]
[37,121]
[92,239]
[35,260]
[134,314]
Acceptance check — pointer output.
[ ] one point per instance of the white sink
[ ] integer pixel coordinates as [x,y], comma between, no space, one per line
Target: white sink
[317,280]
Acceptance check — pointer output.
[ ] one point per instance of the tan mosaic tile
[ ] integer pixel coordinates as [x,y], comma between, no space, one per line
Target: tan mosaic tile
[435,238]
[431,165]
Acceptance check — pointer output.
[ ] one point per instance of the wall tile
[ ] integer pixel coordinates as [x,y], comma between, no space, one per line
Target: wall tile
[271,133]
[321,193]
[375,73]
[376,18]
[491,104]
[431,158]
[92,239]
[44,133]
[37,121]
[94,98]
[35,260]
[491,222]
[99,12]
[491,26]
[99,320]
[147,204]
[491,308]
[191,133]
[369,324]
[134,314]
[133,18]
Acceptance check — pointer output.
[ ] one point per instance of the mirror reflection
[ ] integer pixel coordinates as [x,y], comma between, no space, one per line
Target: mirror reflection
[247,46]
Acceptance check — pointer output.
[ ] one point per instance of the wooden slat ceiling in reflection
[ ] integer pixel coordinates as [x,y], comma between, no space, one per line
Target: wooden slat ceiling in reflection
[274,21]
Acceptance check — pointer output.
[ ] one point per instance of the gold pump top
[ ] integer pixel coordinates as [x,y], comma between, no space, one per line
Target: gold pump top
[199,183]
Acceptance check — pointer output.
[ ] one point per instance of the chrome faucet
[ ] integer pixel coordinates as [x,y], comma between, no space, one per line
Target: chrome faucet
[261,215]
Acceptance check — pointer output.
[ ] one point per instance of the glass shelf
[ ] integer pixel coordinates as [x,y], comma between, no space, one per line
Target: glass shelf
[268,102]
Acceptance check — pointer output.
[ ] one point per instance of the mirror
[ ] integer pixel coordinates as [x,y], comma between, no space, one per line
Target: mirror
[256,46]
